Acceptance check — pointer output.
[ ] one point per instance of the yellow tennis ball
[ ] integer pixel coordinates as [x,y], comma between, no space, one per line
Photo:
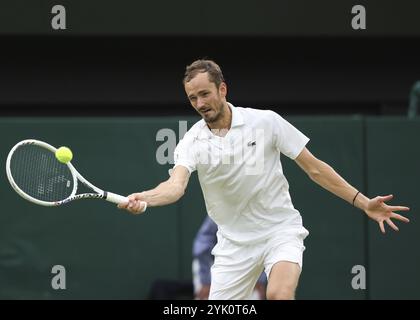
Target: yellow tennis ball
[64,154]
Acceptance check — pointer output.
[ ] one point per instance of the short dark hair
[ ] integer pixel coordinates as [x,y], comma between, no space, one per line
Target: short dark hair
[200,66]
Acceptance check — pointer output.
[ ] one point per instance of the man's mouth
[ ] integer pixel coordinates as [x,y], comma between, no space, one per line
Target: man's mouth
[205,110]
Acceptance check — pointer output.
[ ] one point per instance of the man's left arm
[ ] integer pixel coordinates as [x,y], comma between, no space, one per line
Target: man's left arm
[326,177]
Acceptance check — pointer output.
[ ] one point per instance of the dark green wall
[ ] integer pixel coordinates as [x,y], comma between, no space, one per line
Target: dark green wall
[393,167]
[109,254]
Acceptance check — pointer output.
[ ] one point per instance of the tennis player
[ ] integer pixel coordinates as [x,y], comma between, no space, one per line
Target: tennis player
[236,153]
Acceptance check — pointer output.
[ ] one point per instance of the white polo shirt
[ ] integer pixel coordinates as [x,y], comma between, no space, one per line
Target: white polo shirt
[245,190]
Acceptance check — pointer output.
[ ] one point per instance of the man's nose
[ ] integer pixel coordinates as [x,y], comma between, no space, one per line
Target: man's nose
[200,103]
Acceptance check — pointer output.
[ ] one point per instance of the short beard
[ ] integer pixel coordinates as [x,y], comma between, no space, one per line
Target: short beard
[218,116]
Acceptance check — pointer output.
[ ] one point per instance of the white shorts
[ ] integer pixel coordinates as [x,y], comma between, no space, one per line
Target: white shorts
[237,267]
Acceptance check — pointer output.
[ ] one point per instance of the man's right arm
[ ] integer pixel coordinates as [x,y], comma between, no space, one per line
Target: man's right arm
[165,193]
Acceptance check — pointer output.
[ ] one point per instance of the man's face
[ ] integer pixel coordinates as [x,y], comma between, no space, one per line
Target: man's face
[205,97]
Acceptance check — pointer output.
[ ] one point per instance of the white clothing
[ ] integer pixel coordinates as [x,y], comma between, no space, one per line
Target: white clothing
[245,190]
[237,267]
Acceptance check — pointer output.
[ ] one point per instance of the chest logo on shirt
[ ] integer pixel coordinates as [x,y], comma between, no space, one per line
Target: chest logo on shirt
[252,143]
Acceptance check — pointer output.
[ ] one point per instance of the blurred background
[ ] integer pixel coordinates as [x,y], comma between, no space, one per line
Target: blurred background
[111,80]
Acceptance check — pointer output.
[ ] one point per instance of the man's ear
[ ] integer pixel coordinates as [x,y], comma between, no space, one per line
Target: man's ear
[223,89]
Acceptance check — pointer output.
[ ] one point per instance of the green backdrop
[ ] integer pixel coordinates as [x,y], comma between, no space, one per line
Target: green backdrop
[109,254]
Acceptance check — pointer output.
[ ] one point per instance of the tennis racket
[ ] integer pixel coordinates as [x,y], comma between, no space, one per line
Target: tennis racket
[35,174]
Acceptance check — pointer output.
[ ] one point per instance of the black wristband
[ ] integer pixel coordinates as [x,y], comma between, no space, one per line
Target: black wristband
[355,197]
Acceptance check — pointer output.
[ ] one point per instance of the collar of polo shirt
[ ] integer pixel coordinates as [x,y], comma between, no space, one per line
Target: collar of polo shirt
[237,119]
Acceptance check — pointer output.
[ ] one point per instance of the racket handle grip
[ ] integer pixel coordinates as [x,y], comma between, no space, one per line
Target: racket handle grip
[115,198]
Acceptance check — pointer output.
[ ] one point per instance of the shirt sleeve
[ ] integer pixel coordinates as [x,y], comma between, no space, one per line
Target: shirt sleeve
[286,138]
[184,154]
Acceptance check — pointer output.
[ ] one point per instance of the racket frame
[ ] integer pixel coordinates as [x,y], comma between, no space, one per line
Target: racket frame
[99,194]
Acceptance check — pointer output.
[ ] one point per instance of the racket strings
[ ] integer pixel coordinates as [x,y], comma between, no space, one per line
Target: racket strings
[39,174]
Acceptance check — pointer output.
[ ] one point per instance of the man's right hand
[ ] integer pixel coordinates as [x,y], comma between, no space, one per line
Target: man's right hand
[136,203]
